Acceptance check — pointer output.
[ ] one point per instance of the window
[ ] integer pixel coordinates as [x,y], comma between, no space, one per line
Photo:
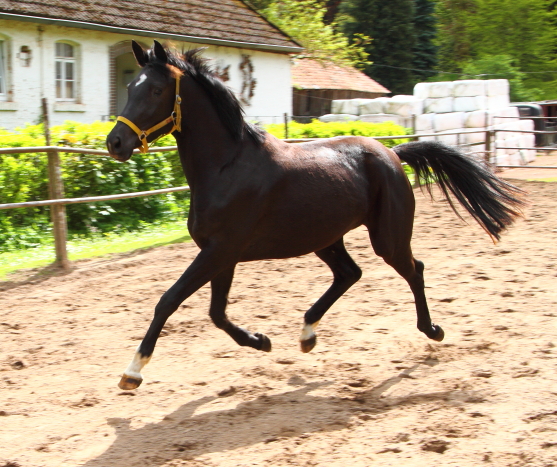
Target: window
[3,68]
[65,72]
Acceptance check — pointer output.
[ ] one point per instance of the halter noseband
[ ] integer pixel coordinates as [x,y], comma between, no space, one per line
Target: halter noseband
[175,117]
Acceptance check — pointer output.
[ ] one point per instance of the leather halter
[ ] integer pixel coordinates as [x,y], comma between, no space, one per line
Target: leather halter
[175,118]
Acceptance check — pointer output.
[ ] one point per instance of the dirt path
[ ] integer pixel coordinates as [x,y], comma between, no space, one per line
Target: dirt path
[374,391]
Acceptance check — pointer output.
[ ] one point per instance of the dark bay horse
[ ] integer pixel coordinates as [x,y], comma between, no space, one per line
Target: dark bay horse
[256,197]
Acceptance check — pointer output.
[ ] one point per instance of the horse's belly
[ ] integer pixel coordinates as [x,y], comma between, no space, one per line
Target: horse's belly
[301,232]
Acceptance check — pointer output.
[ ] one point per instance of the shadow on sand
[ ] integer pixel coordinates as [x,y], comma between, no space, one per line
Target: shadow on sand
[184,434]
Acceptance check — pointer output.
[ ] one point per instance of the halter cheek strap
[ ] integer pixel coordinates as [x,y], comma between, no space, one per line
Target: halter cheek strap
[175,118]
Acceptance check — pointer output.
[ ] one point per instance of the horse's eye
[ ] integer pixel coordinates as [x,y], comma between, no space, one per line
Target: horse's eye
[157,91]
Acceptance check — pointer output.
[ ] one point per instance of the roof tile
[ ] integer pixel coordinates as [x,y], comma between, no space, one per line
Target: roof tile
[311,74]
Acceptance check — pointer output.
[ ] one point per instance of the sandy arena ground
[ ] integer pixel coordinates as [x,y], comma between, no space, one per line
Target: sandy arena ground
[374,392]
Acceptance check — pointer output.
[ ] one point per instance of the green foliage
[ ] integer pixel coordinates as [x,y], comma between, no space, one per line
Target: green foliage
[425,50]
[317,129]
[303,20]
[390,25]
[494,35]
[501,66]
[23,177]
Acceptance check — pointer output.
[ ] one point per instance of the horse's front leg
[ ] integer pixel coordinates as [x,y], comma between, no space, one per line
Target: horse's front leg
[220,287]
[208,264]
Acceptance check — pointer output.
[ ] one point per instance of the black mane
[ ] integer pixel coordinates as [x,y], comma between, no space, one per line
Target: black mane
[223,99]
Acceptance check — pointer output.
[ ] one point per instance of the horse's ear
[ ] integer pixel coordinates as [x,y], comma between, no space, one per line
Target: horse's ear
[139,53]
[160,53]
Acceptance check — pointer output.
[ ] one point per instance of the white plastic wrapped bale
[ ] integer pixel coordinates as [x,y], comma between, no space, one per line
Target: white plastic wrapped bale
[500,159]
[439,105]
[528,140]
[515,159]
[477,119]
[373,106]
[497,87]
[338,118]
[451,140]
[441,89]
[380,118]
[469,104]
[405,106]
[512,144]
[421,90]
[469,88]
[346,106]
[424,123]
[526,125]
[476,137]
[500,147]
[450,121]
[498,102]
[478,150]
[427,138]
[510,111]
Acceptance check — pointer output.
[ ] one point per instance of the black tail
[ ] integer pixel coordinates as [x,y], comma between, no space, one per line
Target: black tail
[493,202]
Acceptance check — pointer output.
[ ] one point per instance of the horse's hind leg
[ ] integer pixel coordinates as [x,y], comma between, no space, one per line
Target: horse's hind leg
[345,272]
[394,247]
[220,286]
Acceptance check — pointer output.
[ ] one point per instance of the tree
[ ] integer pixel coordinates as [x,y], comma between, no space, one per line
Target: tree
[303,20]
[425,50]
[502,66]
[390,25]
[472,31]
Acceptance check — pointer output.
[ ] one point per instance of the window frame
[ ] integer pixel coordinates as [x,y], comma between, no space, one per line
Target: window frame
[60,74]
[3,69]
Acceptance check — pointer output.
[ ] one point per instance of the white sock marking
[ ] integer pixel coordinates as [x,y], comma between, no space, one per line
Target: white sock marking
[134,368]
[308,331]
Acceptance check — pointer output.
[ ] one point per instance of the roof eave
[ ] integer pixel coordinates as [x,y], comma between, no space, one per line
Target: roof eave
[159,35]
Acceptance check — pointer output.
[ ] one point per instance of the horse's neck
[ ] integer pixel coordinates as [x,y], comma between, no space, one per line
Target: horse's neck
[205,147]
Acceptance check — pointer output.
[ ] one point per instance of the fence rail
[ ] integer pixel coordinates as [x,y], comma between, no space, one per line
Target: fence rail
[490,136]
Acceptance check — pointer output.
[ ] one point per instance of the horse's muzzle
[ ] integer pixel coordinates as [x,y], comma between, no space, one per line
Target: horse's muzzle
[117,149]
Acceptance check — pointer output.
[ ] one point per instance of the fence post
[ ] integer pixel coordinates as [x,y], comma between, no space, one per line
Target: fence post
[285,126]
[56,191]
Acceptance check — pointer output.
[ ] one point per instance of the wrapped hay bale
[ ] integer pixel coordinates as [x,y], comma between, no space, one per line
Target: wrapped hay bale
[469,104]
[421,90]
[405,106]
[526,125]
[438,105]
[441,89]
[451,140]
[497,87]
[338,118]
[469,88]
[450,121]
[476,137]
[373,106]
[347,106]
[380,118]
[424,123]
[478,119]
[498,102]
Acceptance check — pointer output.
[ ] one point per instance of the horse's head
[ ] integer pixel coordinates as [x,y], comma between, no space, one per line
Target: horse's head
[153,107]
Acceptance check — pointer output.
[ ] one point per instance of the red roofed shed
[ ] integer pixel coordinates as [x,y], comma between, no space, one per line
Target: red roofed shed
[315,85]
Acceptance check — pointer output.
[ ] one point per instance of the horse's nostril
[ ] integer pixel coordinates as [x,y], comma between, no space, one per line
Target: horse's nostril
[117,143]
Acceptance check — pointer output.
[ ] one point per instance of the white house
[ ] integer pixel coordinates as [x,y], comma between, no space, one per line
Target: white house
[77,54]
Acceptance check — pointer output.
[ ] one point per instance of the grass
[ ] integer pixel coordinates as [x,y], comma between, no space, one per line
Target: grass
[166,234]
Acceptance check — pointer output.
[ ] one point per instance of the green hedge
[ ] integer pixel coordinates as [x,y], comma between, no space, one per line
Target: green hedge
[23,177]
[317,129]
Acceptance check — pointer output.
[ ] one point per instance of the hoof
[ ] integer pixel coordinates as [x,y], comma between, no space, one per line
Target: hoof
[439,334]
[264,342]
[129,382]
[309,344]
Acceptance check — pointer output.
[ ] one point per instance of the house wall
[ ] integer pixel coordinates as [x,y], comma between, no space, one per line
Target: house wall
[29,82]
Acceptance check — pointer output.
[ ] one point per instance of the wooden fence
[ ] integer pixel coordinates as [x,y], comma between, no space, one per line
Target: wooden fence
[56,188]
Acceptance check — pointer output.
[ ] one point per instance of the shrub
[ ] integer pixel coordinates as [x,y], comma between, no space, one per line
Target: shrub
[317,129]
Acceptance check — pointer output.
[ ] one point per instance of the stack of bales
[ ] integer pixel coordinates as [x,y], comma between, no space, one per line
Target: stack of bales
[452,106]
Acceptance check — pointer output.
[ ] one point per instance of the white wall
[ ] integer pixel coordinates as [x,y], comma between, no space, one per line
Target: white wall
[272,94]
